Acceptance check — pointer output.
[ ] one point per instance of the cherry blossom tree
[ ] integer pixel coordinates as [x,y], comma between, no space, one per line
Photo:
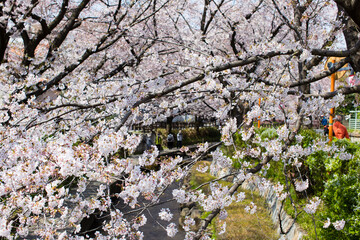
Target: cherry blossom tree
[77,74]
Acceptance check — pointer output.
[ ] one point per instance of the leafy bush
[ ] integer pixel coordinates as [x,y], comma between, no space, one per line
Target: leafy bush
[309,135]
[269,133]
[335,180]
[206,134]
[341,196]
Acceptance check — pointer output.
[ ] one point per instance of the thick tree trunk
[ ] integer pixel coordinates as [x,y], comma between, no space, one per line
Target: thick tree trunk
[352,8]
[351,36]
[239,112]
[198,122]
[4,38]
[169,123]
[304,89]
[298,14]
[352,27]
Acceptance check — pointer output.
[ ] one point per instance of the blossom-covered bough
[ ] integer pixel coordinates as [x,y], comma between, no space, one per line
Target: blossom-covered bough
[76,75]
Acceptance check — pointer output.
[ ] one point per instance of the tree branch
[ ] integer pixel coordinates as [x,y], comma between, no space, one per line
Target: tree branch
[322,75]
[329,53]
[220,68]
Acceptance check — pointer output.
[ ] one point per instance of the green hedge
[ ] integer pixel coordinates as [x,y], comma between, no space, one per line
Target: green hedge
[206,134]
[191,136]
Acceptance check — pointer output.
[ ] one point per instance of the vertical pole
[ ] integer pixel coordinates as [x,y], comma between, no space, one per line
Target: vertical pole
[356,113]
[259,116]
[332,88]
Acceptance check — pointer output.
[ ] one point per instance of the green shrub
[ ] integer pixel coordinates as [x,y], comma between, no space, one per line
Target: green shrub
[206,134]
[309,135]
[336,181]
[269,133]
[342,196]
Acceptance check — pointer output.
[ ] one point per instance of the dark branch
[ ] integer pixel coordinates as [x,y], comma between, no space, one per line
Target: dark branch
[329,53]
[322,75]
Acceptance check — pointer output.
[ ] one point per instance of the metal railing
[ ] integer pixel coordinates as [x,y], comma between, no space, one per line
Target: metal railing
[354,121]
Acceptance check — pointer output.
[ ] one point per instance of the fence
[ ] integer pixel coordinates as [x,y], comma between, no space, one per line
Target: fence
[354,121]
[175,125]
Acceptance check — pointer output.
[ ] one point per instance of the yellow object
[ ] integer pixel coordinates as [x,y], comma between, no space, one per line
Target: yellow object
[338,74]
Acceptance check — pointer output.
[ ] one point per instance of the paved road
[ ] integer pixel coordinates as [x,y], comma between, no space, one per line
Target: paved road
[152,230]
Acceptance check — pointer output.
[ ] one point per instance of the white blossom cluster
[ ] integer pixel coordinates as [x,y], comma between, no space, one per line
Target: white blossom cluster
[188,223]
[171,229]
[255,113]
[220,162]
[264,184]
[313,205]
[246,135]
[240,197]
[219,198]
[279,190]
[149,156]
[283,133]
[345,156]
[165,214]
[339,225]
[251,208]
[327,223]
[301,185]
[228,130]
[273,148]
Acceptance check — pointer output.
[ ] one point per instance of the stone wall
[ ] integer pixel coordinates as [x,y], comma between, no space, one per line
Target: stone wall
[274,205]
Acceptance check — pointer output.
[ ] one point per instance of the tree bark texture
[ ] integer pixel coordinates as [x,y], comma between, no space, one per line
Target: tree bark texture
[352,27]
